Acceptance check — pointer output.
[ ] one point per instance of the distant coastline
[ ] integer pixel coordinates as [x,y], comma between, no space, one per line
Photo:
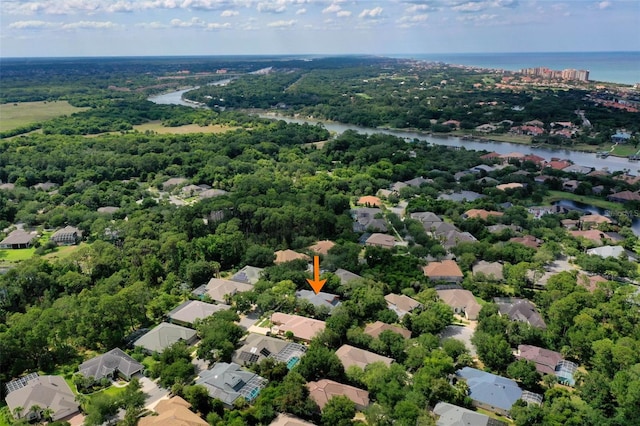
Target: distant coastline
[612,67]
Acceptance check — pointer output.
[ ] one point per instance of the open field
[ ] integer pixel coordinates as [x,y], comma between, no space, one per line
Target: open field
[20,114]
[63,251]
[156,126]
[598,202]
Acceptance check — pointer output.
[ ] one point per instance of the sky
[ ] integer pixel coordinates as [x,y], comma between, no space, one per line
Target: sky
[33,28]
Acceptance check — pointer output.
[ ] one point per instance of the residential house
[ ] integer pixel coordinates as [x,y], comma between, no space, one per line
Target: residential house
[453,238]
[164,335]
[520,310]
[302,328]
[190,190]
[590,282]
[18,239]
[346,276]
[319,299]
[593,235]
[228,382]
[527,240]
[50,392]
[173,182]
[480,214]
[549,362]
[491,270]
[621,137]
[452,415]
[369,201]
[174,411]
[461,196]
[569,223]
[489,391]
[322,247]
[384,193]
[624,196]
[381,240]
[187,313]
[401,304]
[455,124]
[575,168]
[44,186]
[352,356]
[512,156]
[323,390]
[113,364]
[593,220]
[428,219]
[496,229]
[376,328]
[512,185]
[247,275]
[461,301]
[211,193]
[486,128]
[397,186]
[108,209]
[67,236]
[558,164]
[288,420]
[612,251]
[491,155]
[368,218]
[220,290]
[283,256]
[418,181]
[447,270]
[441,229]
[570,185]
[257,347]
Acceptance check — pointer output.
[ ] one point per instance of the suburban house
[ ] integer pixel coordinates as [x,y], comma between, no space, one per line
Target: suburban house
[506,186]
[381,240]
[519,310]
[220,290]
[303,328]
[108,209]
[593,220]
[621,137]
[173,412]
[50,392]
[612,251]
[428,219]
[327,300]
[211,193]
[350,356]
[527,240]
[593,235]
[247,275]
[489,391]
[491,270]
[401,304]
[113,364]
[461,301]
[18,239]
[288,420]
[447,270]
[368,218]
[452,415]
[461,196]
[369,201]
[173,182]
[549,362]
[257,347]
[164,335]
[346,276]
[376,328]
[480,214]
[191,310]
[322,247]
[229,382]
[624,196]
[283,256]
[454,237]
[323,390]
[67,236]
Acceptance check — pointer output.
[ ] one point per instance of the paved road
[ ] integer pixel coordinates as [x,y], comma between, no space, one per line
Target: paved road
[153,392]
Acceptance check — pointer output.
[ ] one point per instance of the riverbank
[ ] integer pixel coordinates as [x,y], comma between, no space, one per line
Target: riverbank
[554,196]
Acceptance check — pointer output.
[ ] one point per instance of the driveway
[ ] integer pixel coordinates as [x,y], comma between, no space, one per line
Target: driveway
[461,333]
[248,320]
[154,393]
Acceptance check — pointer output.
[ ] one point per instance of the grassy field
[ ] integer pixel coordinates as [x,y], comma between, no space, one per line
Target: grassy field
[63,252]
[156,126]
[23,113]
[598,202]
[9,257]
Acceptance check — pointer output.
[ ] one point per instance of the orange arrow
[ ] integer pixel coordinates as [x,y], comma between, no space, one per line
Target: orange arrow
[316,283]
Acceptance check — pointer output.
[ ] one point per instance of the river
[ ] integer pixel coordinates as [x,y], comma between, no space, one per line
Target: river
[612,164]
[589,208]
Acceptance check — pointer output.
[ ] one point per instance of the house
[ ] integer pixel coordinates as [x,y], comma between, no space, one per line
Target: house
[384,193]
[455,237]
[536,159]
[50,392]
[489,391]
[452,123]
[549,362]
[211,193]
[174,411]
[113,364]
[500,227]
[220,290]
[165,335]
[322,247]
[491,270]
[569,223]
[452,415]
[461,196]
[302,328]
[480,214]
[397,186]
[512,156]
[570,185]
[350,356]
[513,185]
[593,235]
[401,304]
[575,168]
[67,236]
[520,310]
[288,420]
[247,275]
[612,251]
[328,300]
[44,186]
[257,347]
[527,240]
[283,256]
[229,382]
[380,240]
[368,218]
[461,301]
[590,282]
[593,220]
[428,219]
[447,270]
[173,182]
[369,201]
[18,239]
[190,190]
[442,228]
[621,137]
[108,209]
[346,276]
[375,329]
[558,164]
[624,196]
[192,310]
[487,128]
[418,181]
[323,390]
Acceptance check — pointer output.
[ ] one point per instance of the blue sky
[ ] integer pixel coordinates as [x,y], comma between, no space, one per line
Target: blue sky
[227,27]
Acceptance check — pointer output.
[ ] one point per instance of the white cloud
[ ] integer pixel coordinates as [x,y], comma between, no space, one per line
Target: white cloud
[414,19]
[417,8]
[478,18]
[31,25]
[470,7]
[90,25]
[152,25]
[194,22]
[301,11]
[218,26]
[229,13]
[332,8]
[282,24]
[604,5]
[371,13]
[343,14]
[273,7]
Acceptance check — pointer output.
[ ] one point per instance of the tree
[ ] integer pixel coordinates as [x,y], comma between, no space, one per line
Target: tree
[493,350]
[525,372]
[198,397]
[320,363]
[338,411]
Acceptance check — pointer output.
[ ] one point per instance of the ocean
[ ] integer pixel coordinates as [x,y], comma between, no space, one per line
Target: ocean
[614,67]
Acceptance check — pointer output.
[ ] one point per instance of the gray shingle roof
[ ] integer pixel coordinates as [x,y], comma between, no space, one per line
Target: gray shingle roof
[106,364]
[228,382]
[192,310]
[47,392]
[321,299]
[163,336]
[489,389]
[452,415]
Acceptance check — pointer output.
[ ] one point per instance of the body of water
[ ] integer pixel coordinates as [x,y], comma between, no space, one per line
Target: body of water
[615,67]
[589,208]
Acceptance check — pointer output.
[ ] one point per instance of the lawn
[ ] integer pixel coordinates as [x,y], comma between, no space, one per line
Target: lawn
[14,256]
[598,202]
[14,115]
[156,126]
[5,415]
[63,252]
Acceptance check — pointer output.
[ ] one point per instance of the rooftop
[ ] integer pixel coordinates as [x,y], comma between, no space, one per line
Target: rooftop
[446,268]
[490,389]
[163,336]
[376,328]
[323,390]
[191,310]
[350,356]
[283,256]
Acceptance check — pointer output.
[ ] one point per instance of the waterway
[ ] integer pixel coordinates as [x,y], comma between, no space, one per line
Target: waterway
[589,208]
[611,163]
